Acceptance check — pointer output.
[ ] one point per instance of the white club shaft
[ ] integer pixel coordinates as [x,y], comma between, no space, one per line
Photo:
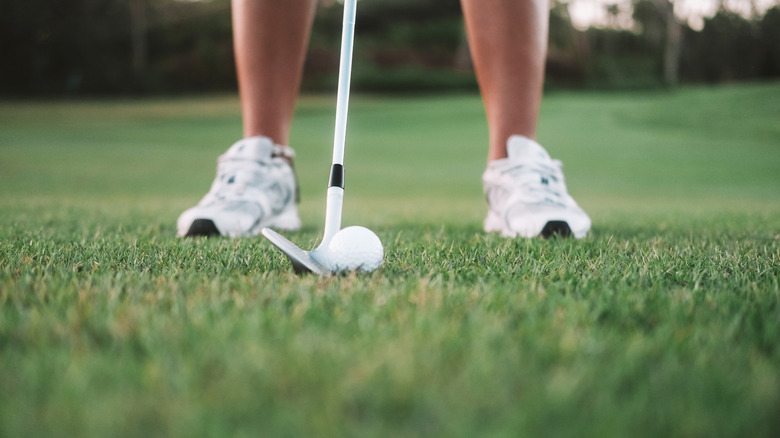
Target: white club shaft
[333,213]
[333,206]
[345,74]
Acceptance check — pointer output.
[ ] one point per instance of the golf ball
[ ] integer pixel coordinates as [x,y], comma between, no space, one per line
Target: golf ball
[355,249]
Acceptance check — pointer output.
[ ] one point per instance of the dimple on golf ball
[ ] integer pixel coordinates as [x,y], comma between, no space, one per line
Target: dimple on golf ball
[355,249]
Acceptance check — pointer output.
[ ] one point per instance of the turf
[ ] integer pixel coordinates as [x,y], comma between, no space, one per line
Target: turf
[665,321]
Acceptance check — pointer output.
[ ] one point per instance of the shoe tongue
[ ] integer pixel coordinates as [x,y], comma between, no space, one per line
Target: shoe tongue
[252,148]
[525,149]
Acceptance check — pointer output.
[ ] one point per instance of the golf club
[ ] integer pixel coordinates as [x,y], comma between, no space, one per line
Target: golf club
[316,261]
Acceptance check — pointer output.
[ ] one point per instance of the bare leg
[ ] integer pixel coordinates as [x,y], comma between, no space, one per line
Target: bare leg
[508,40]
[270,40]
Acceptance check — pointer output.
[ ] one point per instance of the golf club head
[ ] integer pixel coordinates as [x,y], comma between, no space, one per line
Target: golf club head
[301,260]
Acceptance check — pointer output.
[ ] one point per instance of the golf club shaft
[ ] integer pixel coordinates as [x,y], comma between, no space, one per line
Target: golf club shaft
[335,197]
[345,73]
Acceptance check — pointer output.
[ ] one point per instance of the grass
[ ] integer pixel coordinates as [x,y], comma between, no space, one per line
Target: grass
[665,321]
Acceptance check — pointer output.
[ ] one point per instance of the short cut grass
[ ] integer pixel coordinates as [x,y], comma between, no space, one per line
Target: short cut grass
[665,321]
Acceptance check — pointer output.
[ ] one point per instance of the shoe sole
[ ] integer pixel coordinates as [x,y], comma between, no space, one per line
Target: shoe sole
[286,220]
[202,227]
[560,228]
[556,228]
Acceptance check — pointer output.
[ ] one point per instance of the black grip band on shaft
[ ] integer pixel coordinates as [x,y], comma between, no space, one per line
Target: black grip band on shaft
[336,176]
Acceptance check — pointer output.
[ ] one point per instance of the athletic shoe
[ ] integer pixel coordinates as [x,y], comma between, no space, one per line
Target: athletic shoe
[527,196]
[255,187]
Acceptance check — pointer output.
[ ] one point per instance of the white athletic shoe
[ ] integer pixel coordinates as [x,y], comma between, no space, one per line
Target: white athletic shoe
[527,195]
[255,187]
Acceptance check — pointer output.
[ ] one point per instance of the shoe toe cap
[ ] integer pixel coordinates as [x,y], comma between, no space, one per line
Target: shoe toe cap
[233,222]
[549,222]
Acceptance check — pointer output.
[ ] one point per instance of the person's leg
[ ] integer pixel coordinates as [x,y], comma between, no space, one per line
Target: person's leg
[255,185]
[508,41]
[524,187]
[270,38]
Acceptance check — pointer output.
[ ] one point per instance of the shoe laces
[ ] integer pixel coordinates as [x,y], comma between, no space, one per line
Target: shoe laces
[537,180]
[241,180]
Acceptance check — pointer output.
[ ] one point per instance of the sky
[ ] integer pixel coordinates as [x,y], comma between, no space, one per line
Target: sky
[587,12]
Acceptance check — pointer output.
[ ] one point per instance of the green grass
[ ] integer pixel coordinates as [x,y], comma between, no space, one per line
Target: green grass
[665,321]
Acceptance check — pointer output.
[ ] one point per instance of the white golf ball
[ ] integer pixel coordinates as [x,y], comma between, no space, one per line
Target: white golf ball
[355,249]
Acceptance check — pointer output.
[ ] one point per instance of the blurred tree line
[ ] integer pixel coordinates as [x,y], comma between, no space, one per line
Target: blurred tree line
[56,47]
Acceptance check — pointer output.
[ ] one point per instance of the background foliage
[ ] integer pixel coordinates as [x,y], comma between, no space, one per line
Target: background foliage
[54,47]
